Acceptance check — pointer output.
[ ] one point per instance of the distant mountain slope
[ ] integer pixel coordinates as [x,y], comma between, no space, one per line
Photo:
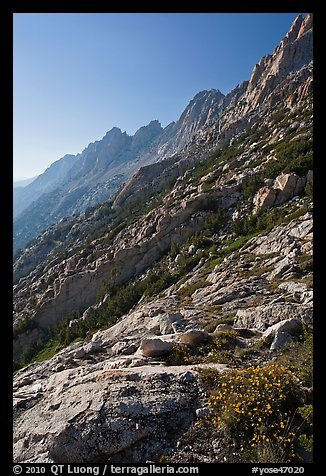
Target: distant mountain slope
[82,181]
[23,182]
[51,178]
[96,173]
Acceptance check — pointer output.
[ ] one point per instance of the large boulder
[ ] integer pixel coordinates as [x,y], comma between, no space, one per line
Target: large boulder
[194,337]
[166,323]
[290,326]
[281,339]
[154,347]
[287,186]
[264,198]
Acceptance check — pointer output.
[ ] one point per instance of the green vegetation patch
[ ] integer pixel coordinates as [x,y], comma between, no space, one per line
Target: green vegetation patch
[24,325]
[51,348]
[291,157]
[265,410]
[298,356]
[189,290]
[256,407]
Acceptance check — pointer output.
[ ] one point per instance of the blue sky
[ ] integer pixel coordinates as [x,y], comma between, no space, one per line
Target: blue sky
[78,75]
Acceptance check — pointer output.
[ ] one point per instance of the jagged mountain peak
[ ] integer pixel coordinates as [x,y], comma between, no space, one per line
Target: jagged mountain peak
[154,126]
[201,101]
[293,52]
[144,135]
[113,132]
[306,25]
[206,93]
[110,136]
[292,34]
[299,27]
[202,107]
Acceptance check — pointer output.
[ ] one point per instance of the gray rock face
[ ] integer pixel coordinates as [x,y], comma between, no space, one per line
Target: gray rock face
[219,294]
[281,339]
[105,398]
[281,268]
[281,240]
[289,326]
[92,413]
[261,317]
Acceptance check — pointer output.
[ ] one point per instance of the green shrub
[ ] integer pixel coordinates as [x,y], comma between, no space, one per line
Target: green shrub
[24,325]
[252,186]
[298,356]
[214,222]
[223,346]
[189,290]
[265,220]
[245,353]
[182,354]
[305,263]
[255,407]
[306,442]
[291,157]
[278,116]
[179,354]
[227,318]
[49,350]
[306,438]
[309,191]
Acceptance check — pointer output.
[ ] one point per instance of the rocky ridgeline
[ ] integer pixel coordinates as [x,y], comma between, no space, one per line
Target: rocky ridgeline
[209,119]
[269,83]
[120,394]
